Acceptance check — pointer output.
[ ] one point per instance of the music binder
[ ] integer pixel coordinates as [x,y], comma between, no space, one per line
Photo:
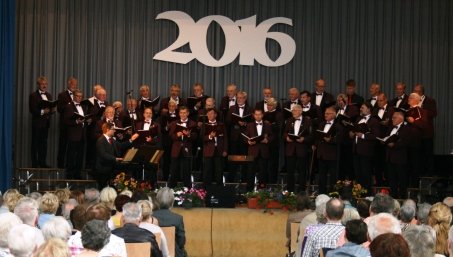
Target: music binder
[130,154]
[254,139]
[388,139]
[83,117]
[143,155]
[294,136]
[245,118]
[218,128]
[144,103]
[156,157]
[121,130]
[43,104]
[193,100]
[358,128]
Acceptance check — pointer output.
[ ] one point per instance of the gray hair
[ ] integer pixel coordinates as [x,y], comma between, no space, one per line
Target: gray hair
[448,201]
[320,203]
[67,208]
[91,196]
[35,195]
[349,214]
[57,227]
[407,213]
[165,198]
[423,212]
[27,210]
[272,102]
[95,235]
[383,223]
[132,212]
[23,240]
[420,240]
[7,221]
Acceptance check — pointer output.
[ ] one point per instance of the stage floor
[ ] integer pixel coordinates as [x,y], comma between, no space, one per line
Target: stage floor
[238,232]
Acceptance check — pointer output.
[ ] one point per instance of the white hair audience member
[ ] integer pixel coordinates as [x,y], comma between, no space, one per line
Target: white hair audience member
[407,215]
[383,223]
[421,240]
[147,223]
[422,213]
[27,210]
[7,222]
[107,196]
[58,227]
[91,196]
[53,247]
[23,240]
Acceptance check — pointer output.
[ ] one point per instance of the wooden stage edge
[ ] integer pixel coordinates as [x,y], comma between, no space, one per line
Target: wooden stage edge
[238,232]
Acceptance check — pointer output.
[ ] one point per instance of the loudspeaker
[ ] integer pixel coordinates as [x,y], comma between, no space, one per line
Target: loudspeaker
[218,196]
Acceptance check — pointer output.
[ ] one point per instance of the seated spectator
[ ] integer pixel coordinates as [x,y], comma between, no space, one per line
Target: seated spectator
[303,208]
[95,236]
[126,192]
[116,245]
[363,207]
[78,195]
[27,210]
[407,216]
[91,196]
[23,240]
[10,199]
[36,196]
[108,196]
[116,220]
[58,227]
[389,245]
[165,199]
[132,233]
[7,222]
[349,214]
[138,195]
[421,241]
[148,224]
[450,241]
[48,207]
[53,247]
[439,218]
[327,235]
[67,208]
[381,224]
[356,235]
[63,197]
[422,213]
[381,203]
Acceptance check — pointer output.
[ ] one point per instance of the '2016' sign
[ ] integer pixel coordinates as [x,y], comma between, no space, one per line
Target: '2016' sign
[242,38]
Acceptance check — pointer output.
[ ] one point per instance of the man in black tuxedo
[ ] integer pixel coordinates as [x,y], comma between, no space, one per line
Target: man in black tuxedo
[132,233]
[294,99]
[40,123]
[363,146]
[262,105]
[320,97]
[175,96]
[165,119]
[310,110]
[76,125]
[108,152]
[375,90]
[353,97]
[328,147]
[400,101]
[64,98]
[228,100]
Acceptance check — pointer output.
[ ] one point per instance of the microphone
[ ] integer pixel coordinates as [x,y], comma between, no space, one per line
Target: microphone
[130,91]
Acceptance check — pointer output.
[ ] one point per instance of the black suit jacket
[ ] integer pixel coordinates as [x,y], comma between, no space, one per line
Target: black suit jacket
[38,120]
[259,148]
[260,106]
[168,218]
[234,129]
[329,150]
[131,233]
[107,153]
[327,99]
[403,103]
[355,99]
[75,131]
[366,146]
[398,153]
[164,103]
[295,148]
[63,99]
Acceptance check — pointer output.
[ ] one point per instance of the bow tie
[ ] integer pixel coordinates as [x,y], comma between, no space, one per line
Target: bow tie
[77,105]
[294,102]
[133,112]
[232,100]
[382,108]
[306,106]
[147,122]
[330,123]
[70,93]
[296,119]
[183,122]
[241,107]
[259,123]
[395,127]
[400,98]
[363,118]
[318,93]
[172,114]
[374,98]
[212,122]
[42,93]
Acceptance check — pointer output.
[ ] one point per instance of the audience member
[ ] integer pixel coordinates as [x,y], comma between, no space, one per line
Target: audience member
[383,223]
[422,213]
[78,217]
[68,207]
[389,245]
[35,195]
[303,208]
[23,240]
[407,216]
[57,227]
[381,203]
[10,199]
[116,220]
[327,235]
[48,207]
[421,241]
[108,196]
[27,210]
[95,236]
[450,241]
[63,197]
[439,218]
[165,198]
[363,207]
[53,247]
[78,195]
[91,196]
[356,235]
[132,233]
[148,224]
[349,214]
[7,222]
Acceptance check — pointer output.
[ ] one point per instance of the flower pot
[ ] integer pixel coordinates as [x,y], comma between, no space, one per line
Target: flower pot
[274,205]
[252,203]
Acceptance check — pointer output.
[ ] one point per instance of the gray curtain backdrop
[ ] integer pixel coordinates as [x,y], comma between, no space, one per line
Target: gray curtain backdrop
[112,42]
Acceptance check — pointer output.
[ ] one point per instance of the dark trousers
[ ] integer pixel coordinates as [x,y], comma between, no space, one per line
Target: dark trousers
[213,170]
[380,171]
[39,146]
[427,151]
[328,174]
[295,165]
[273,166]
[62,147]
[90,158]
[180,165]
[398,180]
[414,156]
[259,165]
[346,162]
[363,166]
[74,159]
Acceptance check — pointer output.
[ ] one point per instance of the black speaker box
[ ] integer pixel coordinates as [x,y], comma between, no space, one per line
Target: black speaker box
[220,196]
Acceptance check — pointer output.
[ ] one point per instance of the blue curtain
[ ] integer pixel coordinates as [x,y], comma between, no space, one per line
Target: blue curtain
[7,14]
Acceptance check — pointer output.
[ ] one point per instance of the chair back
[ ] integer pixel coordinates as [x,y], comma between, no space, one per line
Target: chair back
[138,249]
[169,233]
[294,235]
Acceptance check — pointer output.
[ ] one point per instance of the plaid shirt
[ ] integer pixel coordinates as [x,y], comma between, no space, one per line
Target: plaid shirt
[325,236]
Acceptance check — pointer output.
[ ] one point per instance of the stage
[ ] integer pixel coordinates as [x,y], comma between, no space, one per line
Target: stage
[237,232]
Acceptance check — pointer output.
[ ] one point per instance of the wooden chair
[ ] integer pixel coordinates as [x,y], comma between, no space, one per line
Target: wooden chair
[294,235]
[158,239]
[169,233]
[138,249]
